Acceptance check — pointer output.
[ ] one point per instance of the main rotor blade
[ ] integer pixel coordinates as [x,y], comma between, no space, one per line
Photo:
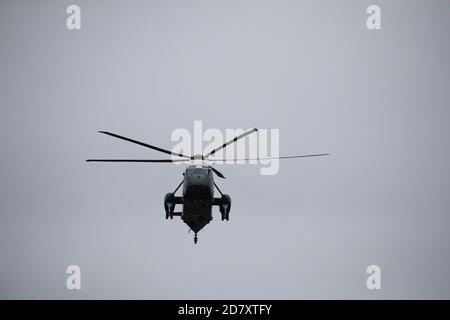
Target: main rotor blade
[138,160]
[270,158]
[230,142]
[145,145]
[219,174]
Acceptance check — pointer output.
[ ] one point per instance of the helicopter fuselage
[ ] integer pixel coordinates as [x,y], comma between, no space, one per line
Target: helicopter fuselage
[197,199]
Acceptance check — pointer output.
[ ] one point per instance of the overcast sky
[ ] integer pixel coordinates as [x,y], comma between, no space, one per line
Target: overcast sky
[378,101]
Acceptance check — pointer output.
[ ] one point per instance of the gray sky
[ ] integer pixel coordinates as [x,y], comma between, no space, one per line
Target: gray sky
[376,100]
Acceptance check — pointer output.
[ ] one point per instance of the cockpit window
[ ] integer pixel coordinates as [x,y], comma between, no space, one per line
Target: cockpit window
[199,171]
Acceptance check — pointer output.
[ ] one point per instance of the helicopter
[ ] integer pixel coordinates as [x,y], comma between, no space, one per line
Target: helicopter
[198,183]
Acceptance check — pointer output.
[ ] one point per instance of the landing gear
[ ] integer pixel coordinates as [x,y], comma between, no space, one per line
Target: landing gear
[170,200]
[169,205]
[225,216]
[169,214]
[195,239]
[225,207]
